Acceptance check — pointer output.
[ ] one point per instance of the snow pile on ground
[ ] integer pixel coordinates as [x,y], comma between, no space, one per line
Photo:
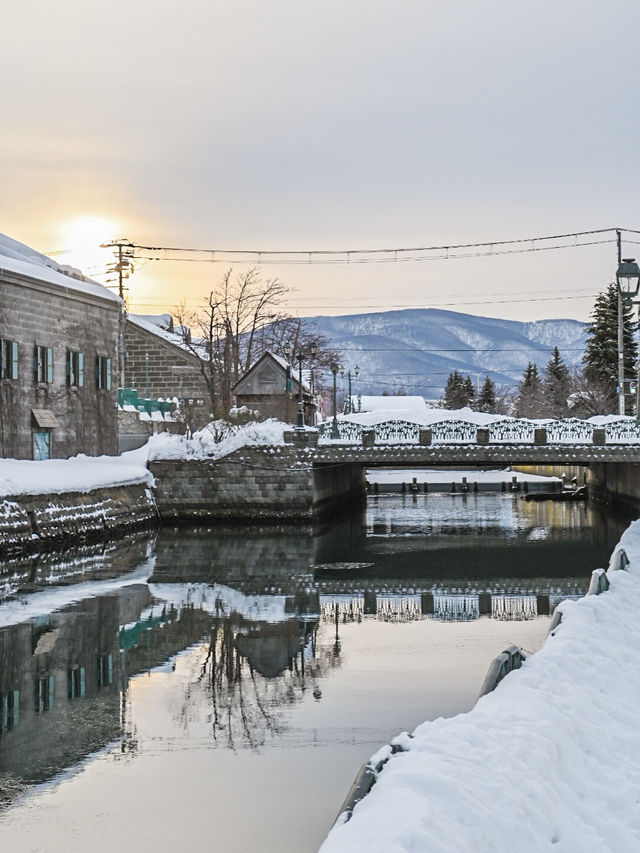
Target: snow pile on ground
[217,439]
[78,474]
[549,760]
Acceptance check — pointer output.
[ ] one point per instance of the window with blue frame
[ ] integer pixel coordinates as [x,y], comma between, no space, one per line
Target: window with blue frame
[43,364]
[44,693]
[75,369]
[8,359]
[76,682]
[104,672]
[103,372]
[9,710]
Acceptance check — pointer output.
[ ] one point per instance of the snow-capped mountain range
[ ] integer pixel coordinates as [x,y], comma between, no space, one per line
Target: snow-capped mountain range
[415,350]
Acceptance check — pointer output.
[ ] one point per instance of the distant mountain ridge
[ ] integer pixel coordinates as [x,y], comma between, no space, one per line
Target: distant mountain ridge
[416,349]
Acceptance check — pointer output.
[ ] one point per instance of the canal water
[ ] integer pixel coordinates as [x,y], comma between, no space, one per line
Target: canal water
[219,689]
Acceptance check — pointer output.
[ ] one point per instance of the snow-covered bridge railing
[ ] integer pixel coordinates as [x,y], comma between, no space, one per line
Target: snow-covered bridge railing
[507,431]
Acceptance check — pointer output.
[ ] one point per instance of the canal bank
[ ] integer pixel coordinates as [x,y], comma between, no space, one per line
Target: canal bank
[543,746]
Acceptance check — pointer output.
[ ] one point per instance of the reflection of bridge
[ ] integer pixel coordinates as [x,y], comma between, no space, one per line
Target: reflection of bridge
[443,607]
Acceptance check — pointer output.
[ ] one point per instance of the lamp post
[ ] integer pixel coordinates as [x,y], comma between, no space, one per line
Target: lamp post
[300,357]
[335,432]
[356,371]
[628,281]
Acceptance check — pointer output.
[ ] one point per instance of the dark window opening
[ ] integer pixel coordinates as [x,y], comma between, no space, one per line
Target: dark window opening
[8,359]
[103,372]
[75,369]
[43,364]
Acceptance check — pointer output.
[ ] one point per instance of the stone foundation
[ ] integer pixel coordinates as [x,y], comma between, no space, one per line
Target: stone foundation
[257,485]
[31,522]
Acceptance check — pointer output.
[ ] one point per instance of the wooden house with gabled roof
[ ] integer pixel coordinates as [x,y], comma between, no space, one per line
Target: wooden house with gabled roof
[272,387]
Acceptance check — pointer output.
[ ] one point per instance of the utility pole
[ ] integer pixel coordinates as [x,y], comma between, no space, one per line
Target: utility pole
[123,266]
[620,335]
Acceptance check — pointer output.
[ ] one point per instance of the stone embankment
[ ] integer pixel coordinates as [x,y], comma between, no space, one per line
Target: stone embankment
[31,522]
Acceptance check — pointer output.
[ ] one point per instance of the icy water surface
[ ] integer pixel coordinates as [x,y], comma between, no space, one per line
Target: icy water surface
[219,690]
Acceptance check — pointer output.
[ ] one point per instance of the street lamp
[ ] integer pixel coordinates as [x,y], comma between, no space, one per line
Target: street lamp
[356,371]
[628,281]
[335,432]
[300,357]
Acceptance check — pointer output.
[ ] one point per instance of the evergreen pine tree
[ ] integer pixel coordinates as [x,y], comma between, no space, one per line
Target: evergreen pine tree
[530,394]
[556,385]
[487,398]
[458,391]
[601,352]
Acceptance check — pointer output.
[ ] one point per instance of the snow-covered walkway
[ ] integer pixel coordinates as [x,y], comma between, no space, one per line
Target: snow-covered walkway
[549,761]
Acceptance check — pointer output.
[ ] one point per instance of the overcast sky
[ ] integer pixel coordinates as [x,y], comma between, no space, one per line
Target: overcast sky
[344,124]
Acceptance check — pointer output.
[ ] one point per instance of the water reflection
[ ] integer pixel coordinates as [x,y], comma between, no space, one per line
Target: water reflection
[255,630]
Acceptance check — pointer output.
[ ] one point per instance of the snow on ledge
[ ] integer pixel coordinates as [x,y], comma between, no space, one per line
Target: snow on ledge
[78,474]
[549,760]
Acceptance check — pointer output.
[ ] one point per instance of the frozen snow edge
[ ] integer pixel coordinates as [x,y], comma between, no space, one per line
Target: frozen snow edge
[549,758]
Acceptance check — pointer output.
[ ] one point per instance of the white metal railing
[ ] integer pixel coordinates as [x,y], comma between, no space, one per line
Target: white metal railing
[570,431]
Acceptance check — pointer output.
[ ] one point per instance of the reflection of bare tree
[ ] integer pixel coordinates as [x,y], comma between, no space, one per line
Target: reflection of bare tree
[252,671]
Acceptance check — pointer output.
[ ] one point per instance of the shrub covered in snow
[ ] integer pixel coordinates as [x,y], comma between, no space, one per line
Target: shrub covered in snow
[218,438]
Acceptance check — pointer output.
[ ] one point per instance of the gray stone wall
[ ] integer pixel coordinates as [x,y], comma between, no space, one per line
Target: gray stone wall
[172,370]
[615,483]
[248,484]
[37,313]
[254,484]
[28,522]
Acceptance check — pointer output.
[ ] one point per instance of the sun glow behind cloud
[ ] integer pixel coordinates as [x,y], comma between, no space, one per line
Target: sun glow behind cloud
[81,240]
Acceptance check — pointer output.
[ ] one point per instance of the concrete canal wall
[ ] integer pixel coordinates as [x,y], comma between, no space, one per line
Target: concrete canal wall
[278,484]
[31,522]
[613,483]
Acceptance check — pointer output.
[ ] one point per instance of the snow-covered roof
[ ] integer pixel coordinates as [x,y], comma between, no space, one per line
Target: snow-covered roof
[424,416]
[18,258]
[400,406]
[284,364]
[153,325]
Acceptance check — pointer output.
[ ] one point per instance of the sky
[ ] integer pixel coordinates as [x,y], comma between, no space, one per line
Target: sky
[341,125]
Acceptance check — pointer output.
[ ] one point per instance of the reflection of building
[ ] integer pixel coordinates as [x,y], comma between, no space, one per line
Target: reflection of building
[62,672]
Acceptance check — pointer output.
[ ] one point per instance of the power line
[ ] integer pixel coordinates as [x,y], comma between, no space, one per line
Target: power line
[487,244]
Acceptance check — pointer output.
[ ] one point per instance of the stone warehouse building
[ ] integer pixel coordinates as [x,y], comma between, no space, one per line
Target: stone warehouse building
[158,364]
[58,358]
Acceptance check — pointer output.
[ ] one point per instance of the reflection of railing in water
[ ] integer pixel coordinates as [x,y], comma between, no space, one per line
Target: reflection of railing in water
[449,607]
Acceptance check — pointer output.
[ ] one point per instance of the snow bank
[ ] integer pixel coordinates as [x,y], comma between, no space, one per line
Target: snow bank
[78,474]
[453,475]
[549,760]
[217,439]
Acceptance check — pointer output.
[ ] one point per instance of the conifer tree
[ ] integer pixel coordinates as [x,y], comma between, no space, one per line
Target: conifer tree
[530,394]
[601,352]
[556,385]
[487,398]
[458,391]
